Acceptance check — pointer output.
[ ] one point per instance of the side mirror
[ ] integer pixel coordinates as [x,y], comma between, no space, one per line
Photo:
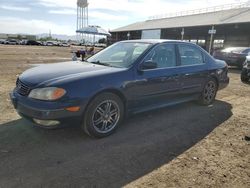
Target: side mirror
[148,65]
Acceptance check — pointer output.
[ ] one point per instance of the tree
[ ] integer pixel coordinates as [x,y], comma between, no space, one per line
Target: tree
[19,37]
[46,39]
[102,41]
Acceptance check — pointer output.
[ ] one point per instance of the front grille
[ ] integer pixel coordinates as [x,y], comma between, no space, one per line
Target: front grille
[22,89]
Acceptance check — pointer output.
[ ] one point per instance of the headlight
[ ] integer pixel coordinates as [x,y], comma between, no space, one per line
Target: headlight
[47,93]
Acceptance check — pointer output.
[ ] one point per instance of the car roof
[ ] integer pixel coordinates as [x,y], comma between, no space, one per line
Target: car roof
[154,41]
[235,49]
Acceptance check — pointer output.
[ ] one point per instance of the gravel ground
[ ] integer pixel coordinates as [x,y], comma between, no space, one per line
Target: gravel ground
[181,146]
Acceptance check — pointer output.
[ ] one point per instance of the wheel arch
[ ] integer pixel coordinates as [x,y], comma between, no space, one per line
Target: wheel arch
[113,91]
[214,76]
[216,80]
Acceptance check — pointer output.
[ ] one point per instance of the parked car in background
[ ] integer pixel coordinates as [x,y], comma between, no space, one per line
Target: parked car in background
[245,73]
[127,77]
[234,56]
[51,43]
[75,43]
[33,42]
[2,41]
[11,42]
[101,45]
[23,42]
[64,44]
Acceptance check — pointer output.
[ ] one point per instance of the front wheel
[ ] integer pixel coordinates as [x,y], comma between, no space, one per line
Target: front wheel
[103,115]
[209,92]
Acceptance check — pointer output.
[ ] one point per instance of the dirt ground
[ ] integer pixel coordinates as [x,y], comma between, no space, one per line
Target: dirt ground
[181,146]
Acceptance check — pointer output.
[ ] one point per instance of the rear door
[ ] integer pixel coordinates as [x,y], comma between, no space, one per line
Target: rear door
[192,69]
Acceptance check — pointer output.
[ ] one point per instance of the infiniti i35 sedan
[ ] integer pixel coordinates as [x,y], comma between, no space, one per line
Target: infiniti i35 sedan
[126,78]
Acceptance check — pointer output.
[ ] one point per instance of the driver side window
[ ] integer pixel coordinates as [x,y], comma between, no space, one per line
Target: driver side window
[163,55]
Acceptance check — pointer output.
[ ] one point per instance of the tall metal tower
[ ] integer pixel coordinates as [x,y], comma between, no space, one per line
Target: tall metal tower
[82,16]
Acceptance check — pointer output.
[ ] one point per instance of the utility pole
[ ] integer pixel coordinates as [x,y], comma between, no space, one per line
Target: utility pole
[212,32]
[182,34]
[128,35]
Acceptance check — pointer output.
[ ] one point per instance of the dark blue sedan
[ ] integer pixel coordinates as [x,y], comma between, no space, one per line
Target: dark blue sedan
[127,77]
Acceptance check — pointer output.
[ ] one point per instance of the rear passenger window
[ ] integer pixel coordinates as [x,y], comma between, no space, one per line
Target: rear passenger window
[190,55]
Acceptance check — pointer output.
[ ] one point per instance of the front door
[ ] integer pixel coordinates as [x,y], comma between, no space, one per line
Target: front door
[160,85]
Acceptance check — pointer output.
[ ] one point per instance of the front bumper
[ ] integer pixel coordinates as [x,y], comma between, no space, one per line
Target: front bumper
[42,110]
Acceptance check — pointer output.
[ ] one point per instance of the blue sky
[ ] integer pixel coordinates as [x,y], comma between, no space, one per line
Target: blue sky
[59,16]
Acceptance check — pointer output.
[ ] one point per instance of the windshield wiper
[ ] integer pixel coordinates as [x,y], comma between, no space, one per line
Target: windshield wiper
[101,63]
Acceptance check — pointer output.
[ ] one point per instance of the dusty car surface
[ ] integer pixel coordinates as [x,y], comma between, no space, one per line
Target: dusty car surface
[127,77]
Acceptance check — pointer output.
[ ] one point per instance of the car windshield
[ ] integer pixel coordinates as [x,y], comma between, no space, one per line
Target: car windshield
[122,54]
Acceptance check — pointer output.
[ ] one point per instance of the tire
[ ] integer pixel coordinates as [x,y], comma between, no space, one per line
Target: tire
[209,92]
[103,115]
[244,78]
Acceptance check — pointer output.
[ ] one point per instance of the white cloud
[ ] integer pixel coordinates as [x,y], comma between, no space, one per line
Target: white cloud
[32,26]
[104,16]
[15,8]
[106,13]
[63,11]
[92,14]
[58,3]
[174,7]
[143,9]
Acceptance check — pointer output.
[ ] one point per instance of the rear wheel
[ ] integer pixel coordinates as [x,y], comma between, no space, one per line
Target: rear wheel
[103,115]
[209,92]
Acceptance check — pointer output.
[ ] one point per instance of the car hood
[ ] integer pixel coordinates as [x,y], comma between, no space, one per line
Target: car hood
[46,74]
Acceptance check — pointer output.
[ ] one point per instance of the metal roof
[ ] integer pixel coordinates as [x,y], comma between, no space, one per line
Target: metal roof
[156,41]
[240,15]
[94,30]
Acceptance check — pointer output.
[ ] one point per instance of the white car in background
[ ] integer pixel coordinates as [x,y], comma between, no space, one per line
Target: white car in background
[2,41]
[51,43]
[64,44]
[11,42]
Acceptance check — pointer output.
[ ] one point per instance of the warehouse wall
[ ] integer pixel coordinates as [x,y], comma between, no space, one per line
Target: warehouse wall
[231,34]
[237,40]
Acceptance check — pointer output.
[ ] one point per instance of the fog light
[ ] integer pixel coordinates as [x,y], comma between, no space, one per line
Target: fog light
[46,122]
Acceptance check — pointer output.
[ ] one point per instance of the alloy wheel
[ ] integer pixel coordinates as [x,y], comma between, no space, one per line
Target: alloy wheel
[106,116]
[210,92]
